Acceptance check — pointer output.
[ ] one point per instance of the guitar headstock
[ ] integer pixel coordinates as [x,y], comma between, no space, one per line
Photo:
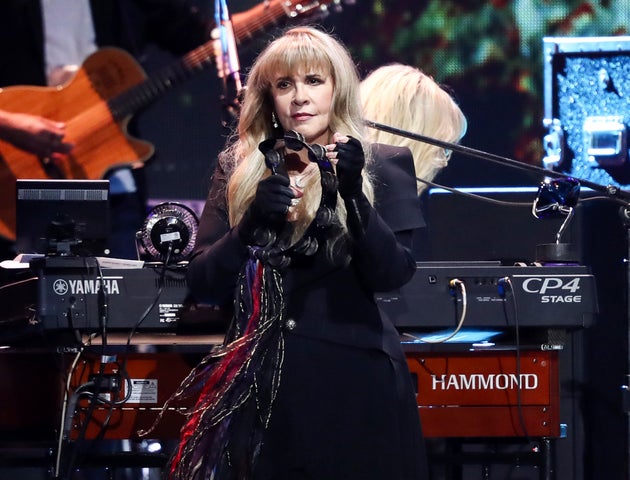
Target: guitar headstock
[271,13]
[313,8]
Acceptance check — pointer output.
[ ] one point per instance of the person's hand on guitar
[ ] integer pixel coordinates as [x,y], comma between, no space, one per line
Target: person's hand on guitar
[34,134]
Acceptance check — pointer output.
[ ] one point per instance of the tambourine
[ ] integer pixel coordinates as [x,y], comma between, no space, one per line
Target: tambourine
[273,251]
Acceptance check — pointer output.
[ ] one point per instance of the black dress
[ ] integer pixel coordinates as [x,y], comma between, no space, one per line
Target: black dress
[345,407]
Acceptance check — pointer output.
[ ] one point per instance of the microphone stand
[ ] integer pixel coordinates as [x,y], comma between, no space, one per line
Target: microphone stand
[613,192]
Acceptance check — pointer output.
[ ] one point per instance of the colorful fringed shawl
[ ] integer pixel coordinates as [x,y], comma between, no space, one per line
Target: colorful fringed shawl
[241,375]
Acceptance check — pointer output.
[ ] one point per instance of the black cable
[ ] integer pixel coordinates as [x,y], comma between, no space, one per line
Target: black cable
[84,426]
[93,389]
[103,305]
[475,195]
[97,382]
[114,403]
[505,284]
[122,367]
[145,314]
[67,417]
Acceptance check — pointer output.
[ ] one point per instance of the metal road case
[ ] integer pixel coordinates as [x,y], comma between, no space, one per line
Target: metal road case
[587,107]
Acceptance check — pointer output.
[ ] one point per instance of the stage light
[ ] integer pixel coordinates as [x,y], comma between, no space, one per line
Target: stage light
[168,234]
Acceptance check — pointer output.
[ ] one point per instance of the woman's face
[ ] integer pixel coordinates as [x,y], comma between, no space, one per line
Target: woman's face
[302,102]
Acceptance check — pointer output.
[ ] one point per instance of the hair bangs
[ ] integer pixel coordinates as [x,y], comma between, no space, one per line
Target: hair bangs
[298,53]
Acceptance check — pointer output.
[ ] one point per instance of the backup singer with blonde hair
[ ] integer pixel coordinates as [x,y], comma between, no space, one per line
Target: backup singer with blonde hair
[404,97]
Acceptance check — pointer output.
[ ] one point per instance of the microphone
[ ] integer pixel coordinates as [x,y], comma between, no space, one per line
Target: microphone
[225,53]
[227,61]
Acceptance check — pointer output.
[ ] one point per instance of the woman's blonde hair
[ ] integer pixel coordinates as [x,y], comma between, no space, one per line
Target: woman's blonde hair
[298,49]
[404,97]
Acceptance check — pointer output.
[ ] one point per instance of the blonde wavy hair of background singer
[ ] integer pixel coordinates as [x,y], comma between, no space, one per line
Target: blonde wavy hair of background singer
[403,97]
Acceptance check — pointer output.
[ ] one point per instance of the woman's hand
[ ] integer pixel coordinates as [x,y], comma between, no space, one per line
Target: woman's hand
[268,210]
[349,159]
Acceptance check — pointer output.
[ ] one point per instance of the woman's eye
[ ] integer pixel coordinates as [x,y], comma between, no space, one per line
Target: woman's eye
[282,84]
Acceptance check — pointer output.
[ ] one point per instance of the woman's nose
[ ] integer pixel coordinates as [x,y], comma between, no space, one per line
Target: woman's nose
[300,97]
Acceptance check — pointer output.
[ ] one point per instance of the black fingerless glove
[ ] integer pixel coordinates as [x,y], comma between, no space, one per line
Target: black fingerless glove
[350,163]
[266,215]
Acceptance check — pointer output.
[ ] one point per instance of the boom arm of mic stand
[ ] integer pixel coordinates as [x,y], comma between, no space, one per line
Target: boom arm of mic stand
[611,191]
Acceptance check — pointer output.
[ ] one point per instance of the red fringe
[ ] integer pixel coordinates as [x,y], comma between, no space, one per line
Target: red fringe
[232,362]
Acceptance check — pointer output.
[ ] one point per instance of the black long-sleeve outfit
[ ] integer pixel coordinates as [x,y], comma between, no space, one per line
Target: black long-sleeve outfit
[345,406]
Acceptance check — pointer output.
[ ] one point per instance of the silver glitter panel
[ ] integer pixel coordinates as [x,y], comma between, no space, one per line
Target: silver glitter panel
[581,94]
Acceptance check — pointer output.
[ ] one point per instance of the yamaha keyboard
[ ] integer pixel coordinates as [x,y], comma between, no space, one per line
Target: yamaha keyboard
[494,296]
[75,294]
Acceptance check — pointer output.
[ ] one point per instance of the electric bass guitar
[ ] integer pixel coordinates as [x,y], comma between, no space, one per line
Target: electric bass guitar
[100,100]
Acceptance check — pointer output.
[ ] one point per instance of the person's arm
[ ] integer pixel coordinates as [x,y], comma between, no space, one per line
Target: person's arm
[383,259]
[34,134]
[219,254]
[393,176]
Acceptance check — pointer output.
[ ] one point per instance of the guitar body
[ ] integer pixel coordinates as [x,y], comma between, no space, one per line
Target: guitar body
[101,142]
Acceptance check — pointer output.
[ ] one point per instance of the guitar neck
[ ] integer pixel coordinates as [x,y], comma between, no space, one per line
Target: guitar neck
[246,26]
[249,24]
[143,94]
